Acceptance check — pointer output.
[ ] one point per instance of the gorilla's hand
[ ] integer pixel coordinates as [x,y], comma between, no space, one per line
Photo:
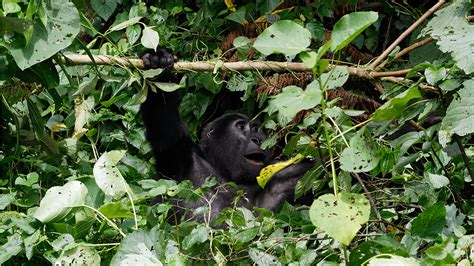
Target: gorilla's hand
[162,58]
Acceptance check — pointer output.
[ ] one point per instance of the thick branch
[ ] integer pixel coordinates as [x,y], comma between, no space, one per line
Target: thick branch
[75,59]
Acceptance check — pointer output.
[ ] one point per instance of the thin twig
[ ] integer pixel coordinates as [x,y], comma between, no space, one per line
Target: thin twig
[371,200]
[406,51]
[467,163]
[405,34]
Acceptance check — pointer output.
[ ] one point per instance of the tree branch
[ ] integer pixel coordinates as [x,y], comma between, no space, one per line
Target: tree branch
[202,66]
[407,32]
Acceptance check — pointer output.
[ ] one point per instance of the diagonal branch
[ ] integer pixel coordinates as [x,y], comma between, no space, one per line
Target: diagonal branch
[405,34]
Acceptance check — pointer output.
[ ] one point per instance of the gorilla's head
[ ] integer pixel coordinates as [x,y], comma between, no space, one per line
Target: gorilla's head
[231,143]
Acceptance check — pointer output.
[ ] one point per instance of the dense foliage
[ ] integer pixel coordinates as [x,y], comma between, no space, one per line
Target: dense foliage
[395,142]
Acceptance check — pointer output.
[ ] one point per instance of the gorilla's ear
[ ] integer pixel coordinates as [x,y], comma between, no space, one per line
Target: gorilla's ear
[210,134]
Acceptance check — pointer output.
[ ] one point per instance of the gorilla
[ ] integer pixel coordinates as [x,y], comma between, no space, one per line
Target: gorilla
[228,149]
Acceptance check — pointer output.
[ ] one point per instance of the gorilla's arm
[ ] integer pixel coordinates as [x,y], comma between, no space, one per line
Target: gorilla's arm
[167,134]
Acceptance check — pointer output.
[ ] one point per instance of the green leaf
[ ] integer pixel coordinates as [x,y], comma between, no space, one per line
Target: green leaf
[115,210]
[12,247]
[150,38]
[59,201]
[6,200]
[361,155]
[107,176]
[133,33]
[335,78]
[293,99]
[35,116]
[340,218]
[11,6]
[284,36]
[395,107]
[62,26]
[438,181]
[125,24]
[262,258]
[199,235]
[80,255]
[141,248]
[104,8]
[393,260]
[167,86]
[459,117]
[453,33]
[349,27]
[433,75]
[430,223]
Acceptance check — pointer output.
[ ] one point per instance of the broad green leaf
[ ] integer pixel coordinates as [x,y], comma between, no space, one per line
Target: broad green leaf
[285,37]
[368,249]
[309,59]
[125,24]
[198,235]
[395,107]
[62,27]
[59,201]
[82,112]
[341,217]
[167,86]
[453,33]
[145,248]
[293,99]
[104,8]
[262,258]
[459,117]
[361,155]
[438,181]
[349,27]
[335,78]
[133,33]
[433,74]
[115,210]
[13,245]
[150,38]
[430,223]
[6,200]
[394,260]
[80,255]
[405,141]
[107,175]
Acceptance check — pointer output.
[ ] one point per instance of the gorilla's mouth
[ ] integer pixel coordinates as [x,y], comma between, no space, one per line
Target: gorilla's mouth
[256,158]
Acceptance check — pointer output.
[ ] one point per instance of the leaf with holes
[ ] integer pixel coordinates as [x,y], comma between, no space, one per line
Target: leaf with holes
[341,217]
[284,37]
[61,28]
[59,201]
[361,155]
[453,33]
[459,117]
[293,99]
[107,175]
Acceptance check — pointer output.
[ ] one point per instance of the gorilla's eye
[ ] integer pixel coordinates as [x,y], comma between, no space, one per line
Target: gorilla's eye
[210,133]
[240,125]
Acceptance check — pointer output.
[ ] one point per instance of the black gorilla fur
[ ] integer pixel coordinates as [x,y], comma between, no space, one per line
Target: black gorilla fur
[228,149]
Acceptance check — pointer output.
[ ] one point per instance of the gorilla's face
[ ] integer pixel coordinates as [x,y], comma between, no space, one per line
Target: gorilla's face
[232,145]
